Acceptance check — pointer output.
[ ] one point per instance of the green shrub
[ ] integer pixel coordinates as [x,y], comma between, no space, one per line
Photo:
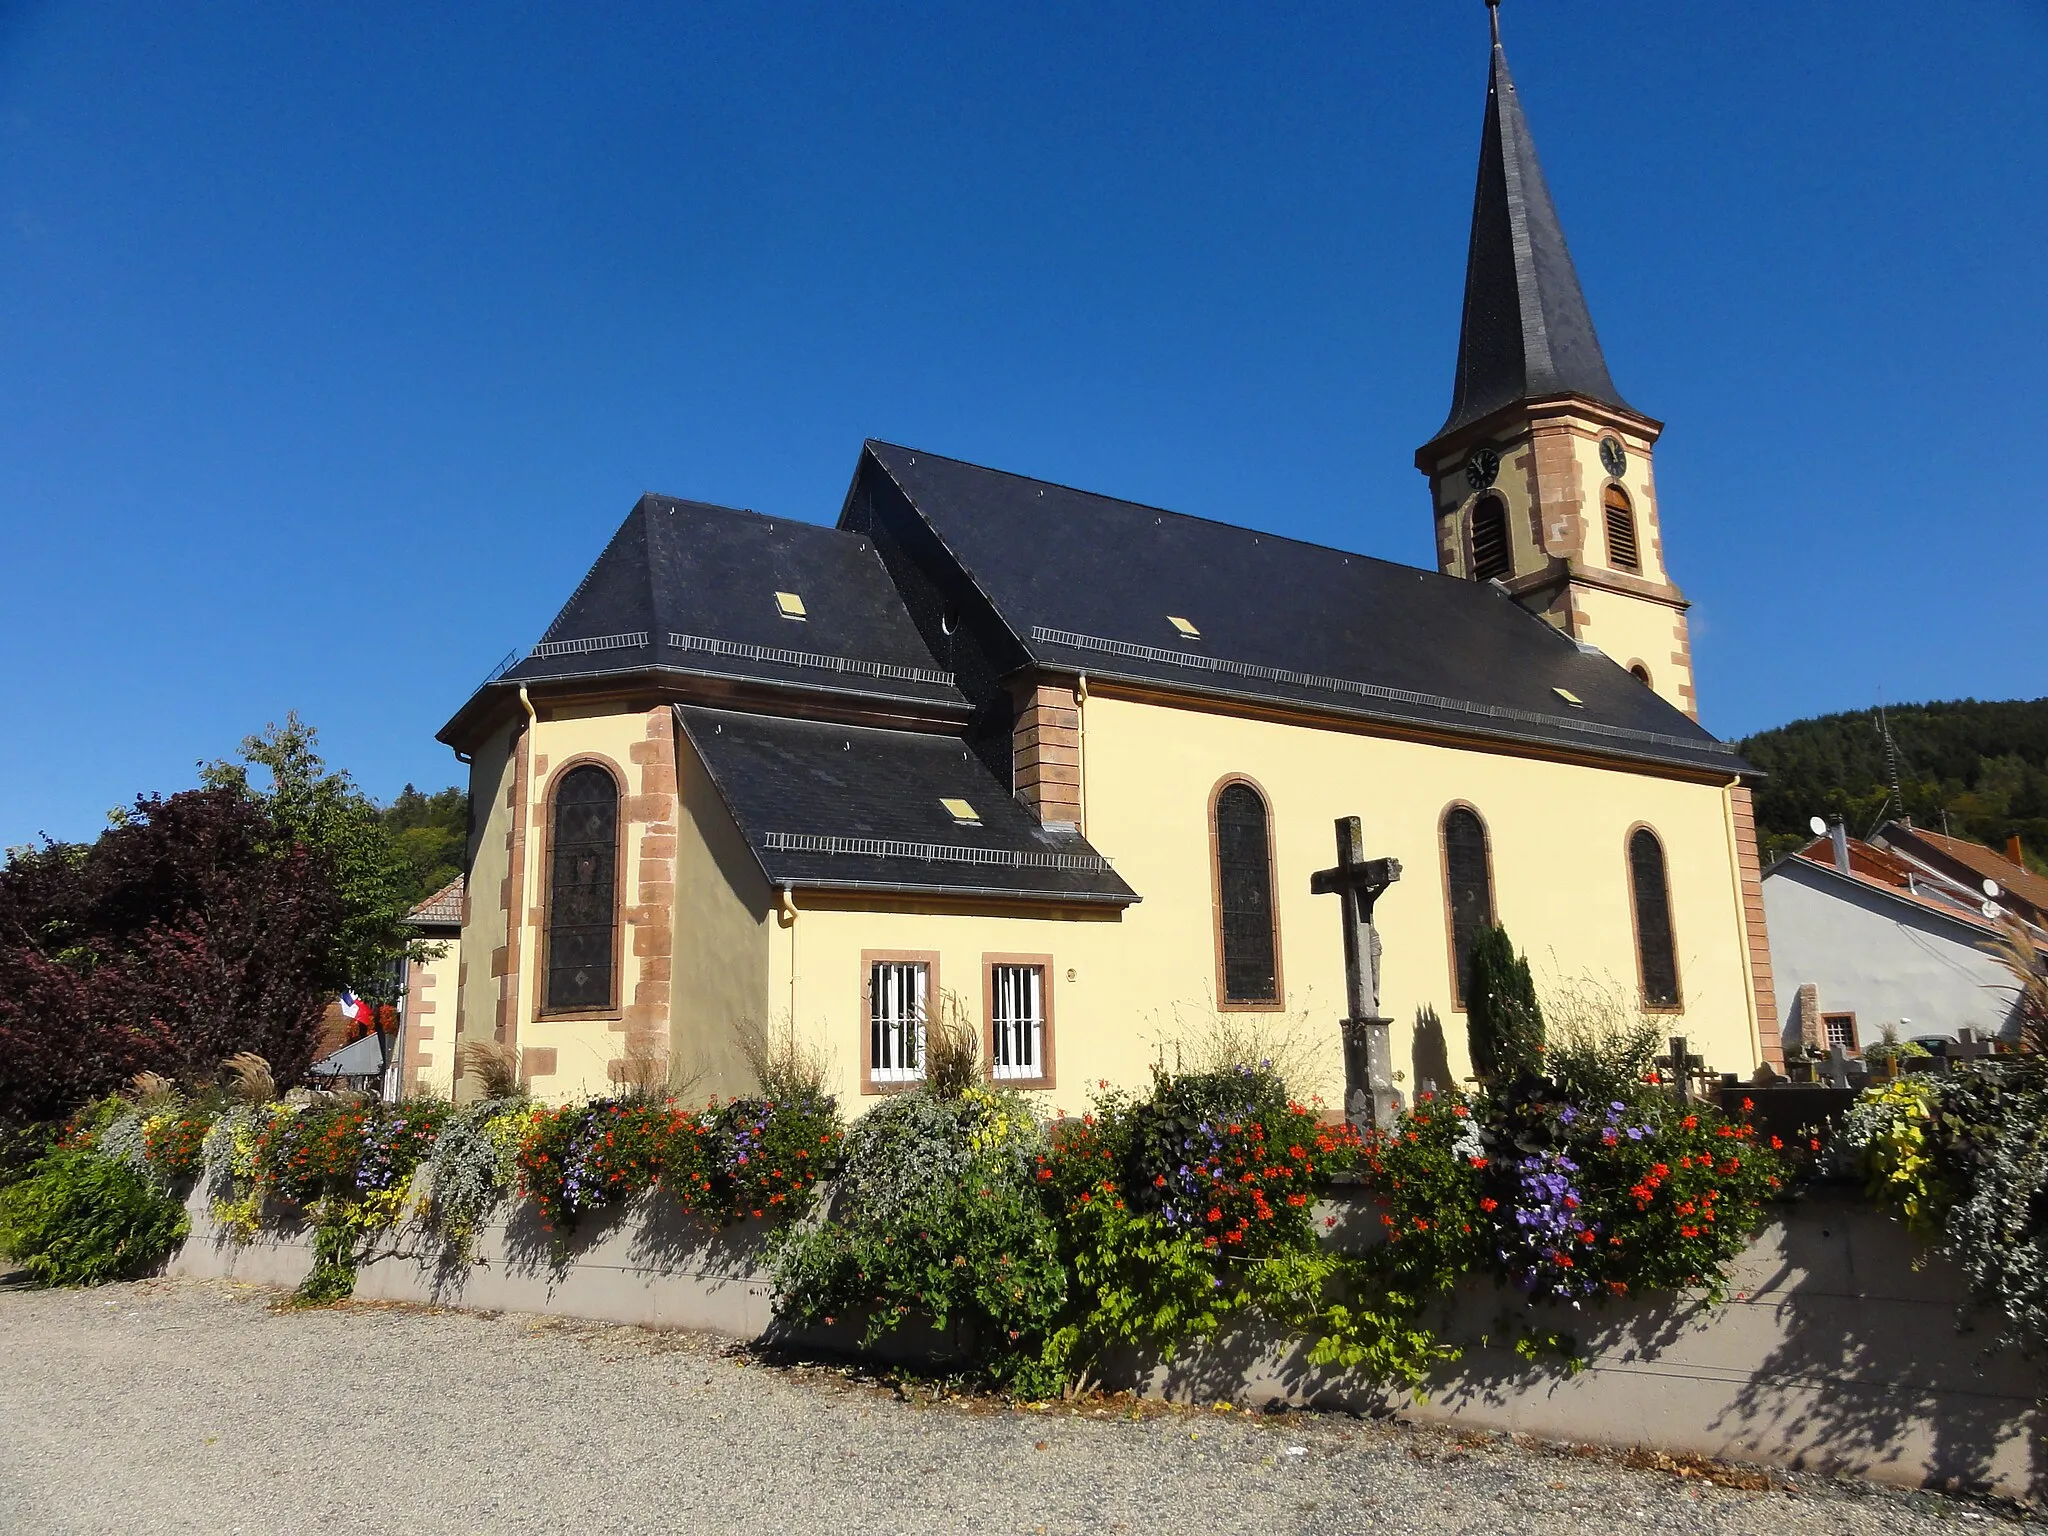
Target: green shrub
[1505,1024]
[82,1219]
[938,1216]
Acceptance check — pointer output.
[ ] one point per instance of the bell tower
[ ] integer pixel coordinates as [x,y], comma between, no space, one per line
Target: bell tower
[1542,476]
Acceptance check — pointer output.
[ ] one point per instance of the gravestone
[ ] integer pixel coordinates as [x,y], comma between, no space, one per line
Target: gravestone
[1370,1097]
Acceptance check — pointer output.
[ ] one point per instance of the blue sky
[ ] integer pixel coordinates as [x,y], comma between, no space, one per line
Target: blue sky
[338,339]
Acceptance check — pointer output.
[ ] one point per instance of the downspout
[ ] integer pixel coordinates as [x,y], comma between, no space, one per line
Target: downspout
[1081,747]
[525,907]
[788,919]
[1756,1035]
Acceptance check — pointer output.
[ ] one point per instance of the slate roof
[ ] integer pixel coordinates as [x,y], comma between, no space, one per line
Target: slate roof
[1088,583]
[1527,332]
[856,807]
[684,586]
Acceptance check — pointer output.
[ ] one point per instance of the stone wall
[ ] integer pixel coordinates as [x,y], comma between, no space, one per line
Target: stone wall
[1832,1352]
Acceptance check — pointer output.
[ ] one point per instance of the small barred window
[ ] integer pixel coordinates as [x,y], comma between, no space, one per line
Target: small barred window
[896,1020]
[1016,1021]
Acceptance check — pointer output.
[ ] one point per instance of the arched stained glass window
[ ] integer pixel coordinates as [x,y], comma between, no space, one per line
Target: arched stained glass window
[1244,898]
[1468,887]
[1491,556]
[583,880]
[1656,952]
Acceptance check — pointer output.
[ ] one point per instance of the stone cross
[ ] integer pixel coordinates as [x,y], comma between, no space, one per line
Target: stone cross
[1681,1064]
[1370,1097]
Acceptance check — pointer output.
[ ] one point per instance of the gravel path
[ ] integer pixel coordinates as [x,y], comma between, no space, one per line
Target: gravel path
[195,1406]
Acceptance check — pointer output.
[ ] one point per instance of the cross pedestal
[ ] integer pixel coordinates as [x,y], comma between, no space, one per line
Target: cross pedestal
[1370,1098]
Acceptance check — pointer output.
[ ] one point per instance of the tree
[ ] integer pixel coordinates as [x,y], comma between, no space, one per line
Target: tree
[431,833]
[1503,1022]
[195,927]
[326,812]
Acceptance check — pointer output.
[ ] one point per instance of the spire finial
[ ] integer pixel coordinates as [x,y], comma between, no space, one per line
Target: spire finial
[1493,19]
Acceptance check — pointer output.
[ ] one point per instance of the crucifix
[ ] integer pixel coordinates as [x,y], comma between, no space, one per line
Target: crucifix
[1370,1098]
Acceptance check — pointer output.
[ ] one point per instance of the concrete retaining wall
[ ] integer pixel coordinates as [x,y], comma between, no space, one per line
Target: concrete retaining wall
[1833,1352]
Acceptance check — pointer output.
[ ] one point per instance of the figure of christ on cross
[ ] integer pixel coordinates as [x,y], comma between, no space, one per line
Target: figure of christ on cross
[1370,1098]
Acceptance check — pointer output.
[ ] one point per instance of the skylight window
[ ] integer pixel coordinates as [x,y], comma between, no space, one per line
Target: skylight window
[1569,697]
[791,606]
[1187,631]
[961,811]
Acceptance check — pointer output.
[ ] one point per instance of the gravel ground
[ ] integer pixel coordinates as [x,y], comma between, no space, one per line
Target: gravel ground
[199,1406]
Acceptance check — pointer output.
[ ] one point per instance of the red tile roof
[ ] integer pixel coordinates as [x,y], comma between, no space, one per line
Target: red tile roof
[1991,864]
[444,907]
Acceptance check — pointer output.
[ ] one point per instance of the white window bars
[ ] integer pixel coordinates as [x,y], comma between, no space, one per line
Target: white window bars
[896,1017]
[1017,1022]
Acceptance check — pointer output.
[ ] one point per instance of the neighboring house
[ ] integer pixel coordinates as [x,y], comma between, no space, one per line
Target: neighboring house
[423,1057]
[1067,763]
[1864,940]
[1968,865]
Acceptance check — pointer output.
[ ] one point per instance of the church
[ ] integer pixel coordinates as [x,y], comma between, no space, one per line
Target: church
[1065,766]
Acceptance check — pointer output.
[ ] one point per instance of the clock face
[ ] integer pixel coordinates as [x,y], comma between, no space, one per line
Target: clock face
[1482,468]
[1613,457]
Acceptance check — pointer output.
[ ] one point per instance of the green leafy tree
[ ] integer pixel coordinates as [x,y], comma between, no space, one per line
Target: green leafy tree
[324,809]
[1504,1023]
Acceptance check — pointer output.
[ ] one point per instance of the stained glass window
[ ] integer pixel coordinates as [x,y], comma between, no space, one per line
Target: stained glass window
[1468,881]
[1244,879]
[583,881]
[1655,952]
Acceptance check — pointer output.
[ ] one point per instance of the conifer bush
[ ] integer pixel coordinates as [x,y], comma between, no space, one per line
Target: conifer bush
[1505,1023]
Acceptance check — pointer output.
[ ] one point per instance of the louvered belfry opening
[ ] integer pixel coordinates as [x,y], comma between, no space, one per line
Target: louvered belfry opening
[1656,952]
[583,890]
[1468,883]
[1244,879]
[1491,559]
[1621,531]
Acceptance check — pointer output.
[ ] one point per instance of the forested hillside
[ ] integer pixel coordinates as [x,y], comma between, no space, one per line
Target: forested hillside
[430,833]
[1983,764]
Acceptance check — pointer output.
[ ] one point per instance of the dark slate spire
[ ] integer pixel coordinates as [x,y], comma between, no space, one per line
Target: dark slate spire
[1526,333]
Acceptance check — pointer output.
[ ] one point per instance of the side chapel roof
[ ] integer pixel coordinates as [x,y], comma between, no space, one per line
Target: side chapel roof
[1527,333]
[858,808]
[1086,583]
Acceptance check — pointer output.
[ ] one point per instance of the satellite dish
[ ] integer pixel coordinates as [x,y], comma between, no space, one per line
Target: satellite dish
[1991,889]
[1820,828]
[1989,909]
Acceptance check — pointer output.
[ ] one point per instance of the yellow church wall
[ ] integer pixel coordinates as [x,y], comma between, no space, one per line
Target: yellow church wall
[473,998]
[1125,991]
[429,1064]
[574,1058]
[1632,629]
[724,926]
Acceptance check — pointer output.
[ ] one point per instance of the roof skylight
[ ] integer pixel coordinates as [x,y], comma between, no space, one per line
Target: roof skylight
[791,606]
[1187,630]
[961,811]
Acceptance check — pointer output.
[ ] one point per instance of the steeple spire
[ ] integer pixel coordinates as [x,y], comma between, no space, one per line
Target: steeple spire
[1527,333]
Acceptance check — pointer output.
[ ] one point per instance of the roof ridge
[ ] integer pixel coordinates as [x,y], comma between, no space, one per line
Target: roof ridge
[1190,517]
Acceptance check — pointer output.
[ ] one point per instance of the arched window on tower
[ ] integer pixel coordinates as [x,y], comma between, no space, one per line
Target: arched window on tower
[583,882]
[1622,552]
[1468,890]
[1656,952]
[1247,940]
[1491,556]
[1640,673]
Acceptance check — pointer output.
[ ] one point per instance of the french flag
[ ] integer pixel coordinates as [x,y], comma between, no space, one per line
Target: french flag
[355,1010]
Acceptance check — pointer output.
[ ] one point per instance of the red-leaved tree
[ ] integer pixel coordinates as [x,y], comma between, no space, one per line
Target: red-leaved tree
[193,929]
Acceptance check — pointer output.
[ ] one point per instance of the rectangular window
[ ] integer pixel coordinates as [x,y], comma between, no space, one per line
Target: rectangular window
[1016,1017]
[897,993]
[1841,1029]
